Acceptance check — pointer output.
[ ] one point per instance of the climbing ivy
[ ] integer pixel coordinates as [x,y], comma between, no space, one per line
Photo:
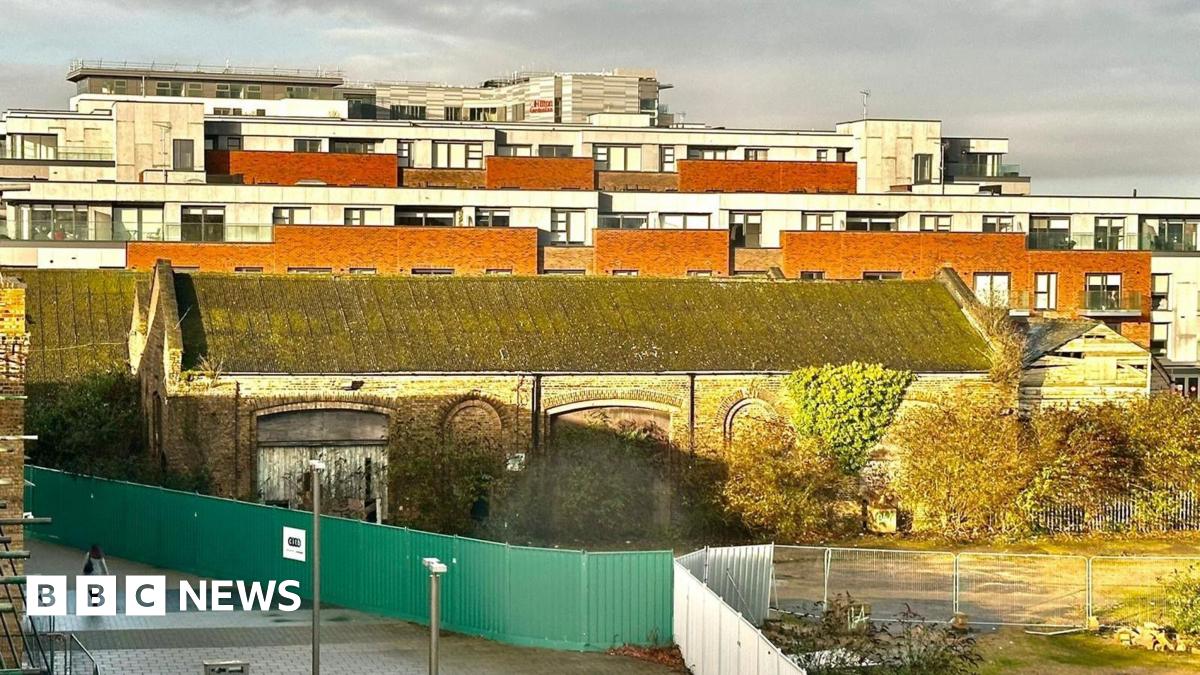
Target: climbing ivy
[849,407]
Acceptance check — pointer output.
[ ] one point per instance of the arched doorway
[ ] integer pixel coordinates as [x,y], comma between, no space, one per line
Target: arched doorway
[353,445]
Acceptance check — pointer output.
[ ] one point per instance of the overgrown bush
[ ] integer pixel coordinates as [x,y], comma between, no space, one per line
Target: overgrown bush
[842,642]
[1181,605]
[442,485]
[848,407]
[960,465]
[786,489]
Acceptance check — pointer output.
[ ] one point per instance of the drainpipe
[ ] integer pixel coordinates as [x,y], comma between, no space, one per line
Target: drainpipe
[535,406]
[692,413]
[237,437]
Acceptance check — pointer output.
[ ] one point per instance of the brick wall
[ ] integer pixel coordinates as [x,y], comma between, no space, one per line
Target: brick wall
[703,175]
[465,179]
[540,173]
[756,259]
[662,253]
[567,258]
[637,181]
[388,250]
[14,350]
[289,168]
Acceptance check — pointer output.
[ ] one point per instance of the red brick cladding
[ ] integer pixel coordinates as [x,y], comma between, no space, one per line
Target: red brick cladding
[662,253]
[540,173]
[465,179]
[289,168]
[559,258]
[707,175]
[637,181]
[918,255]
[389,250]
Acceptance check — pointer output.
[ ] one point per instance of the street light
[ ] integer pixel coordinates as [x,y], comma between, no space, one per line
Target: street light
[316,467]
[436,569]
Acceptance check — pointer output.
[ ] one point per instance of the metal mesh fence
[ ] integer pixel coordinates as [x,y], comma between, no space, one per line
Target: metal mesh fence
[895,582]
[799,578]
[1023,589]
[1128,591]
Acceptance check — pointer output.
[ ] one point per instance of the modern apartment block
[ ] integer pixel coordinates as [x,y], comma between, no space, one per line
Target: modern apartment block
[246,170]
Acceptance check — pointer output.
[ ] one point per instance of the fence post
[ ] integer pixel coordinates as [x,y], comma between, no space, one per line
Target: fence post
[705,570]
[1087,612]
[954,586]
[825,592]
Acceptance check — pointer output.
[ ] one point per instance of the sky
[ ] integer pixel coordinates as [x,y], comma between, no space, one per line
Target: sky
[1097,97]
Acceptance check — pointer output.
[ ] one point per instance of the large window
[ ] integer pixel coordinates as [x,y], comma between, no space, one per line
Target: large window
[1170,233]
[1110,233]
[31,146]
[137,223]
[202,223]
[1045,290]
[922,168]
[408,112]
[291,215]
[683,221]
[483,114]
[352,146]
[872,222]
[1050,232]
[618,157]
[183,154]
[991,288]
[57,222]
[756,154]
[666,158]
[362,216]
[403,154]
[935,223]
[817,221]
[491,218]
[545,150]
[306,145]
[447,155]
[452,113]
[1160,335]
[745,228]
[624,221]
[999,223]
[1160,291]
[706,152]
[424,217]
[1103,291]
[567,227]
[514,150]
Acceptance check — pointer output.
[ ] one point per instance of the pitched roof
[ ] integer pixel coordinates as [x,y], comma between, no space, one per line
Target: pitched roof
[311,324]
[78,321]
[1043,336]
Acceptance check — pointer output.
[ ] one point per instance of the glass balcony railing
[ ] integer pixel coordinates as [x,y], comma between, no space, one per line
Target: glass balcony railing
[1063,240]
[57,154]
[1101,301]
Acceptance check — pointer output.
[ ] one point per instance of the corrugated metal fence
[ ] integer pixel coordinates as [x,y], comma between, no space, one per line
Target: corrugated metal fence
[520,595]
[740,575]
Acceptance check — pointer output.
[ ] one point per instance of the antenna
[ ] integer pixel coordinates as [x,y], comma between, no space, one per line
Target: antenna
[866,94]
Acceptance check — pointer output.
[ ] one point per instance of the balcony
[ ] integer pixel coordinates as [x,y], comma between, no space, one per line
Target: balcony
[1110,303]
[1064,240]
[57,154]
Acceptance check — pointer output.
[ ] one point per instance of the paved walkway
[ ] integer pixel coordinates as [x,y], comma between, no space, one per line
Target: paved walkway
[279,643]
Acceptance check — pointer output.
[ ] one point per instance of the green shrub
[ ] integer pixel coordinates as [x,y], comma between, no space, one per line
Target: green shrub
[1181,606]
[441,485]
[849,407]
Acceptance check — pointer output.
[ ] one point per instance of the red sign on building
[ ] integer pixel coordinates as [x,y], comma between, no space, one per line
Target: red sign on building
[542,105]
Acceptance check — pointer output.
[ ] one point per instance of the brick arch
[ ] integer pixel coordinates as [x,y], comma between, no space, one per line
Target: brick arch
[322,405]
[739,410]
[581,399]
[472,418]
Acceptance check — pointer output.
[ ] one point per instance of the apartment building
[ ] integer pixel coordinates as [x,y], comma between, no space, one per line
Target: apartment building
[121,179]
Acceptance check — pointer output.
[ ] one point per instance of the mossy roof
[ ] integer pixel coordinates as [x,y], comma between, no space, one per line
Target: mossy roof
[316,324]
[78,321]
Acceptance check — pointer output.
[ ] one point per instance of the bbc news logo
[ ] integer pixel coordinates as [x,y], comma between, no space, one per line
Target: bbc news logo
[146,595]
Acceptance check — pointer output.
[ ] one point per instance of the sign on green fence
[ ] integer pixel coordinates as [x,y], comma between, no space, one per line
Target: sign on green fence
[520,595]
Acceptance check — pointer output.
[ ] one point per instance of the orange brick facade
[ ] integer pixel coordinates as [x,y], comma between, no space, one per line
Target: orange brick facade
[258,167]
[465,179]
[540,173]
[386,250]
[637,181]
[662,253]
[703,175]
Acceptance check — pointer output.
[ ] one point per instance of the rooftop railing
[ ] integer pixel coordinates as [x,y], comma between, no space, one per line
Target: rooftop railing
[100,64]
[60,154]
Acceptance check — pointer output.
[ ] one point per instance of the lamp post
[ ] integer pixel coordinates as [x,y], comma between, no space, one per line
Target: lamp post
[436,569]
[316,467]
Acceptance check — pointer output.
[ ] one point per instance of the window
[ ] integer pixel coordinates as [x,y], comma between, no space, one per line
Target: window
[1045,290]
[567,227]
[32,146]
[514,150]
[183,155]
[991,288]
[817,221]
[624,273]
[57,222]
[433,271]
[1187,385]
[880,276]
[873,222]
[307,145]
[666,158]
[624,221]
[491,218]
[756,154]
[938,223]
[361,216]
[168,89]
[202,223]
[300,92]
[999,224]
[1103,291]
[253,91]
[457,155]
[1050,232]
[822,154]
[499,272]
[554,150]
[483,114]
[617,157]
[699,273]
[233,143]
[1159,337]
[310,270]
[408,112]
[1170,234]
[291,215]
[232,90]
[248,270]
[1160,291]
[812,276]
[138,223]
[566,272]
[745,228]
[420,217]
[453,114]
[354,147]
[362,270]
[922,168]
[403,154]
[683,221]
[1109,233]
[706,152]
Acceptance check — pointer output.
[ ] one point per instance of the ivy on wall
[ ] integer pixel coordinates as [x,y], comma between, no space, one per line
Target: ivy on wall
[849,407]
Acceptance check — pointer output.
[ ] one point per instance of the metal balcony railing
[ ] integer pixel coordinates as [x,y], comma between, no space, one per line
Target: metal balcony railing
[100,64]
[1063,240]
[61,154]
[1111,301]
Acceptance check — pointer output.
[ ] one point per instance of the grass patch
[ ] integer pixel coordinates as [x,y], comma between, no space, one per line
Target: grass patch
[1014,651]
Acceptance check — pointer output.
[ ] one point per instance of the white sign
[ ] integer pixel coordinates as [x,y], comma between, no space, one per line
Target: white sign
[293,543]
